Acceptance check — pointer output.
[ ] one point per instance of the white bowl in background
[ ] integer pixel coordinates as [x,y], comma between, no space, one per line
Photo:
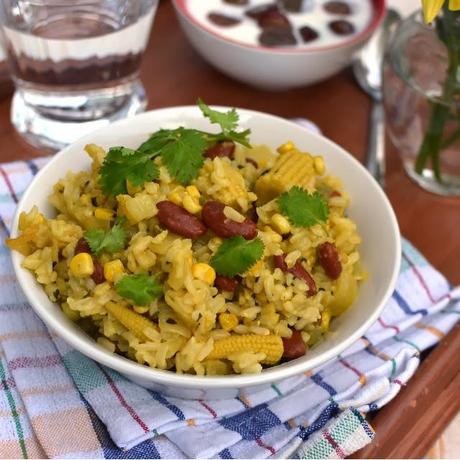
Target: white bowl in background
[370,209]
[273,68]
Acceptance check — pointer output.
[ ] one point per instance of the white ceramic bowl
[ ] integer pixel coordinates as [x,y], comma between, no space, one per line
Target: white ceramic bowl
[273,68]
[370,209]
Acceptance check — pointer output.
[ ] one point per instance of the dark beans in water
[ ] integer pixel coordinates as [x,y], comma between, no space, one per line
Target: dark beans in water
[342,27]
[223,20]
[308,34]
[277,37]
[341,8]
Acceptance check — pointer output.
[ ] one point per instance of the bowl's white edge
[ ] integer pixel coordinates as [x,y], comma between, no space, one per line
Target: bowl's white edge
[124,365]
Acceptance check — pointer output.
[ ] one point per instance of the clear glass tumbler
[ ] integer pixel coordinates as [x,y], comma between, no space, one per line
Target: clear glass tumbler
[75,64]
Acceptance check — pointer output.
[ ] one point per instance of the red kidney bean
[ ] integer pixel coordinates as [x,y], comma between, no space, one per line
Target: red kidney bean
[335,193]
[237,2]
[277,37]
[298,271]
[258,11]
[328,258]
[308,34]
[337,7]
[342,27]
[221,149]
[223,20]
[178,220]
[98,274]
[214,217]
[224,283]
[294,347]
[252,213]
[82,246]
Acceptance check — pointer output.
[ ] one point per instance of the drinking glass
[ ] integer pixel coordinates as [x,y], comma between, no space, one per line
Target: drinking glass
[75,64]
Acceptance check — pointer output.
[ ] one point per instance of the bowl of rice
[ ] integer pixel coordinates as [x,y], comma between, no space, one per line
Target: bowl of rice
[199,251]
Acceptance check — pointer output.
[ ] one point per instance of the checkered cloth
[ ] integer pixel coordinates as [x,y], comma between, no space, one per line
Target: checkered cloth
[55,402]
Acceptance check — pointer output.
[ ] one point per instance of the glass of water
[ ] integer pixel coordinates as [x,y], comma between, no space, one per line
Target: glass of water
[75,64]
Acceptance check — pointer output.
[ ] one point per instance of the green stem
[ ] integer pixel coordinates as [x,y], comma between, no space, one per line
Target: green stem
[432,144]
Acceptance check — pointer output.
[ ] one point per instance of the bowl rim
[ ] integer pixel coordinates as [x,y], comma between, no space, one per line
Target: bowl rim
[378,5]
[159,376]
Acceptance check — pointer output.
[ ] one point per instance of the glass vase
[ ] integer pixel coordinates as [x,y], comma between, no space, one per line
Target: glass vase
[422,103]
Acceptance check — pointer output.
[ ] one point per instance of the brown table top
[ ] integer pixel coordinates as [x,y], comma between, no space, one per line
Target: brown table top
[174,74]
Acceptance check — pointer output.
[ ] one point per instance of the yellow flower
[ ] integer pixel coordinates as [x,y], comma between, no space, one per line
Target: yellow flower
[431,8]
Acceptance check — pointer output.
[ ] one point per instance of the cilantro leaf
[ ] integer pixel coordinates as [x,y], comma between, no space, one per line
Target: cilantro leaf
[141,288]
[122,164]
[112,241]
[302,208]
[155,143]
[227,121]
[184,156]
[236,255]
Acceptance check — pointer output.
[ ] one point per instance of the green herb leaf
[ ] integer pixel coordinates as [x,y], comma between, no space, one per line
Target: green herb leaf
[237,255]
[302,208]
[141,288]
[112,241]
[122,164]
[227,121]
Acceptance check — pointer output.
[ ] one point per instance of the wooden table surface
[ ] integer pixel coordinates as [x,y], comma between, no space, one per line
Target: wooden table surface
[174,74]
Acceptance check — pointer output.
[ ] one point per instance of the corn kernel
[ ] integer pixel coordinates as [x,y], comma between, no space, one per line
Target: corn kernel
[318,163]
[192,191]
[175,198]
[103,213]
[228,321]
[71,314]
[191,205]
[325,319]
[281,224]
[141,309]
[85,199]
[113,269]
[274,237]
[287,147]
[204,272]
[82,265]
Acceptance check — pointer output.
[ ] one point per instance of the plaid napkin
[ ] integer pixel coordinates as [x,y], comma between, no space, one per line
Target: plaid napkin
[55,402]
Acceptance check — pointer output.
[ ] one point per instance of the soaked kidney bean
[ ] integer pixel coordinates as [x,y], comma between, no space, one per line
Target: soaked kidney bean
[342,27]
[98,274]
[258,11]
[277,37]
[224,283]
[223,20]
[178,220]
[273,19]
[294,6]
[335,193]
[221,149]
[237,2]
[338,8]
[294,347]
[298,271]
[213,216]
[308,34]
[252,213]
[328,258]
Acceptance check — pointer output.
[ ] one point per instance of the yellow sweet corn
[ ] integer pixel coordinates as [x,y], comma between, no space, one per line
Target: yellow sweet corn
[287,147]
[320,167]
[134,322]
[132,189]
[325,319]
[191,205]
[175,197]
[290,168]
[271,345]
[113,269]
[192,191]
[228,321]
[281,224]
[103,214]
[71,314]
[204,272]
[82,265]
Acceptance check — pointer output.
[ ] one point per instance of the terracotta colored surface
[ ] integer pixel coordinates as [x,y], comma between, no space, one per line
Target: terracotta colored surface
[175,75]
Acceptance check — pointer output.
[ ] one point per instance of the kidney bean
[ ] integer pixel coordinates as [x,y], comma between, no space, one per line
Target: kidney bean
[82,246]
[224,283]
[308,34]
[221,149]
[294,347]
[98,274]
[214,217]
[342,27]
[258,11]
[273,19]
[237,2]
[335,193]
[223,20]
[298,271]
[337,7]
[252,213]
[277,37]
[178,220]
[328,258]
